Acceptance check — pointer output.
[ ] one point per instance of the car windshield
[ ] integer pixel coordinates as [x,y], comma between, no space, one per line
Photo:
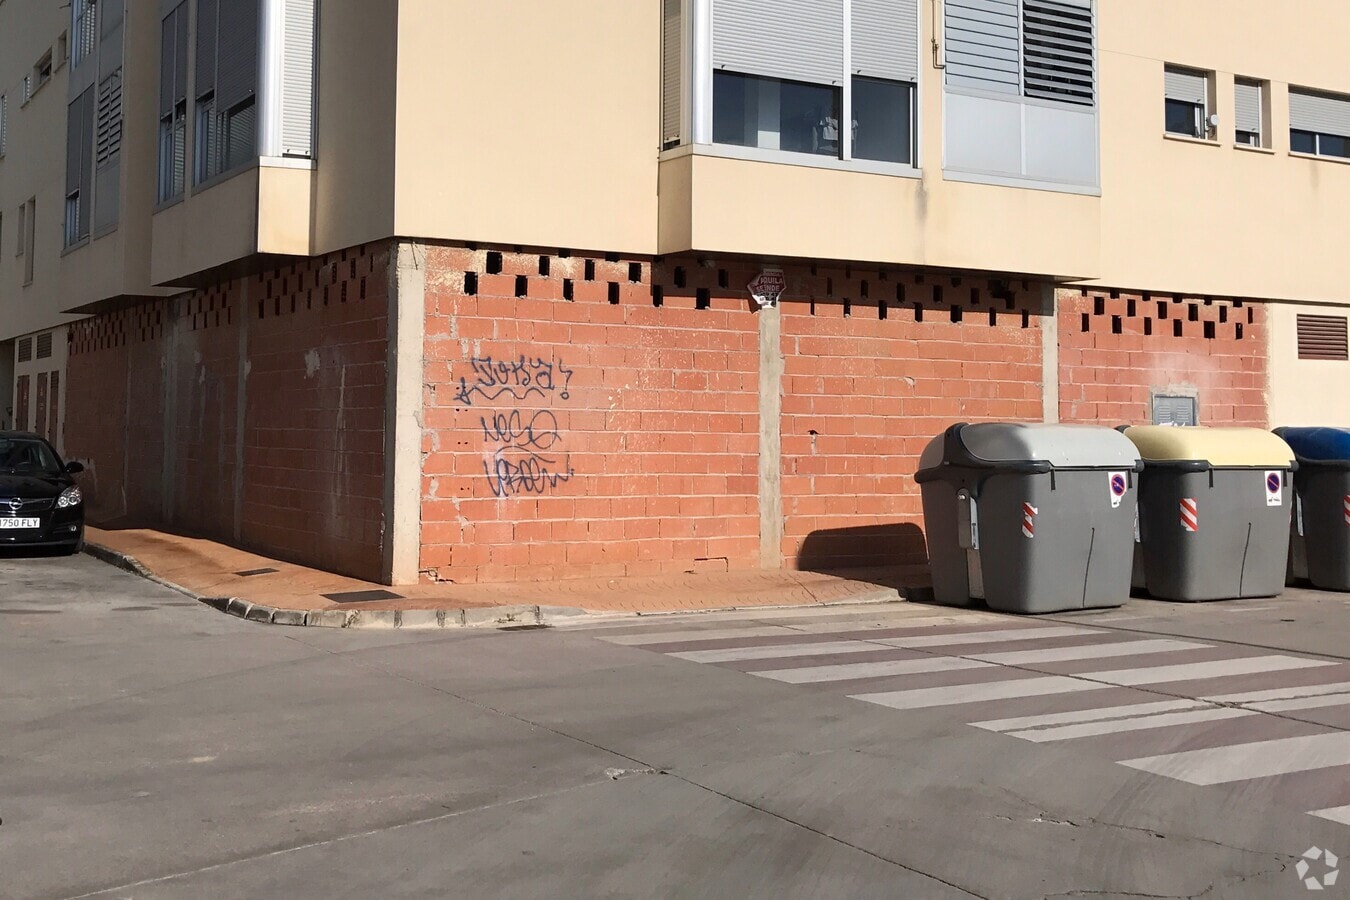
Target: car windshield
[26,456]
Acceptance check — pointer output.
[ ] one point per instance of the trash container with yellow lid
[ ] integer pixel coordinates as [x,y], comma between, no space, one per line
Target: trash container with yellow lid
[1029,518]
[1213,512]
[1320,551]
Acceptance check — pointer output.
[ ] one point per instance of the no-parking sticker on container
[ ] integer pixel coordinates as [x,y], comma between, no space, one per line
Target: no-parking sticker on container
[1119,484]
[1274,489]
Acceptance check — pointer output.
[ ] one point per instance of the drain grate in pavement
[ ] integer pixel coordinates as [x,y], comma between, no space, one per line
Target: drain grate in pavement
[249,573]
[362,596]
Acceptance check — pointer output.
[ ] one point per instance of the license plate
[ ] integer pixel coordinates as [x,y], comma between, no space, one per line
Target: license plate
[20,523]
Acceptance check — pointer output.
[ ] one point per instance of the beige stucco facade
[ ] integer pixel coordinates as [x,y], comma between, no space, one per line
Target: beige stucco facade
[537,124]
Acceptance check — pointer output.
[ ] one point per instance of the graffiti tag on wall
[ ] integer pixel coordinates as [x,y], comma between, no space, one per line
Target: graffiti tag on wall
[523,452]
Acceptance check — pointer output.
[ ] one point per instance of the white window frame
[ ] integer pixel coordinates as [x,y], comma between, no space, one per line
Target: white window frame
[697,105]
[4,123]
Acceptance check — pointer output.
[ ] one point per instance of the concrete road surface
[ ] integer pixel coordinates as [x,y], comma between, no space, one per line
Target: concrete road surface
[154,748]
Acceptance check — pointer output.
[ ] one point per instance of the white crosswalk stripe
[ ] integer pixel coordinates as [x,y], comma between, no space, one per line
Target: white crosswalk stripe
[1222,668]
[1140,723]
[885,669]
[1337,814]
[986,637]
[1078,716]
[1010,677]
[1089,651]
[1218,765]
[927,698]
[778,651]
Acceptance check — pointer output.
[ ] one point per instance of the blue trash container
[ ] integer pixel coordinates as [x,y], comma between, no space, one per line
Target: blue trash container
[1320,549]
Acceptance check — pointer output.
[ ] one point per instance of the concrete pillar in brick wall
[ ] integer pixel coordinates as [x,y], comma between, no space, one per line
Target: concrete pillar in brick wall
[770,437]
[403,414]
[1049,354]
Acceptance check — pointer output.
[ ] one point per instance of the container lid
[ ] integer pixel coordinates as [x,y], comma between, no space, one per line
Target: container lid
[1062,446]
[1233,447]
[1330,444]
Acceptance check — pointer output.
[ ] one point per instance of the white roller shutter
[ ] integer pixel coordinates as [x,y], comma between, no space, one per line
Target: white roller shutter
[1248,115]
[672,68]
[885,39]
[1186,86]
[1320,113]
[297,91]
[796,40]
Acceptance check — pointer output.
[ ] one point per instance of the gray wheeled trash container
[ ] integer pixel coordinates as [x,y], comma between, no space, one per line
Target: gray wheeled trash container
[1030,518]
[1213,512]
[1320,550]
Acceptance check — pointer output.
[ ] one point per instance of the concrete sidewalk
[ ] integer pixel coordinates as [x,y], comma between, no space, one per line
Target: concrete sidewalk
[268,590]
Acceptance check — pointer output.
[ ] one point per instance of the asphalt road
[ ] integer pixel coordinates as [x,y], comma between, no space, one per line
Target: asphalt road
[154,748]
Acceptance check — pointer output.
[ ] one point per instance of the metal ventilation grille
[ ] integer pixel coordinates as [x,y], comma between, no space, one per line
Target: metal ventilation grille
[25,349]
[44,345]
[1322,337]
[1057,61]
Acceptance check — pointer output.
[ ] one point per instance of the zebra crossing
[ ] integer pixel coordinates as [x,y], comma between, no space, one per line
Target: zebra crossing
[1192,711]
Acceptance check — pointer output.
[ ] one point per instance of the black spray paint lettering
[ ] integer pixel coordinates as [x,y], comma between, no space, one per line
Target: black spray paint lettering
[524,444]
[518,379]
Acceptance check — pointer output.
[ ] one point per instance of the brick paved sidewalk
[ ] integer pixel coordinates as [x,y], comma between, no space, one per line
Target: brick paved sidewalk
[209,569]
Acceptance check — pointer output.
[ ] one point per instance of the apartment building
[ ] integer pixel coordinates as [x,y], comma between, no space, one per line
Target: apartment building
[437,290]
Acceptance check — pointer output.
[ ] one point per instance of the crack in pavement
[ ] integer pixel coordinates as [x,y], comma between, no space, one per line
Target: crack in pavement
[296,848]
[644,766]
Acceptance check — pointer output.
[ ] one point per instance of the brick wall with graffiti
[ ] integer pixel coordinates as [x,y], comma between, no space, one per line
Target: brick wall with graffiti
[585,416]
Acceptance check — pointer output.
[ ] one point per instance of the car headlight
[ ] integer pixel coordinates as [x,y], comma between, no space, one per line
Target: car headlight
[71,496]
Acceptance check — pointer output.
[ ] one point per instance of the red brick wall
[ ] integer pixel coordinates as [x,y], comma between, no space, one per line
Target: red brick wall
[307,344]
[581,428]
[863,395]
[115,413]
[1116,349]
[314,433]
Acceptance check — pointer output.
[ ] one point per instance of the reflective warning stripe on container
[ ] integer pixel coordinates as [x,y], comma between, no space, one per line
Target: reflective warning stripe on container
[1347,509]
[1190,515]
[1029,514]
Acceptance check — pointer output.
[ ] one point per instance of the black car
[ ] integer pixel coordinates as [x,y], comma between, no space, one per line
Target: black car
[40,504]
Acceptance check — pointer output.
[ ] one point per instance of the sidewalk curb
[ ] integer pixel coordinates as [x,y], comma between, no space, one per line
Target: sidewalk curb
[506,617]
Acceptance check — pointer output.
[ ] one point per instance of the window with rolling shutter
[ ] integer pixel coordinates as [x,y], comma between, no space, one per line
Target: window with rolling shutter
[297,79]
[1323,337]
[173,103]
[1319,123]
[44,345]
[1249,97]
[1186,102]
[79,166]
[25,350]
[788,75]
[672,73]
